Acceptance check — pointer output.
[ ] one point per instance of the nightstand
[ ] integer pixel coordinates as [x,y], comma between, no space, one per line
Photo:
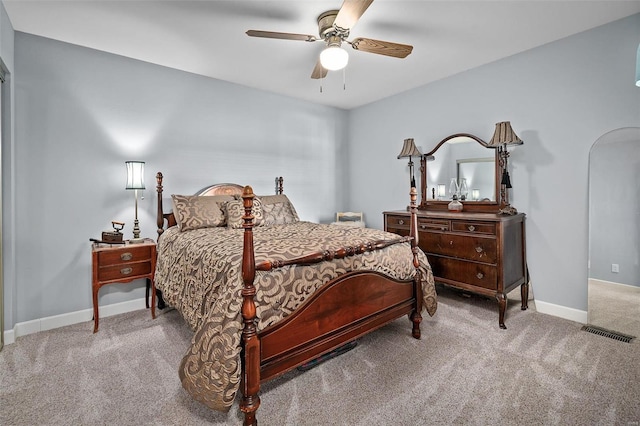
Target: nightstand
[122,263]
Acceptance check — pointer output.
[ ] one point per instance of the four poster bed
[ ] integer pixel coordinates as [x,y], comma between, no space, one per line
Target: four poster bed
[265,292]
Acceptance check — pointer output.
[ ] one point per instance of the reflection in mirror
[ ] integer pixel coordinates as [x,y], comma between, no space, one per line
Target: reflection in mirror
[479,175]
[462,157]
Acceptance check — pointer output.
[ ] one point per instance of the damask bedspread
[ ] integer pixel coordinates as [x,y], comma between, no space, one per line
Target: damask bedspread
[199,273]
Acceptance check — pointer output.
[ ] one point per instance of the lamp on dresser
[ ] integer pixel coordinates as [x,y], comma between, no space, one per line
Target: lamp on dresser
[135,181]
[409,150]
[503,137]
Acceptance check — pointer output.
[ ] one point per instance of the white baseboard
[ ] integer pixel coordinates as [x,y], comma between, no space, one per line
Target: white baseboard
[627,286]
[49,323]
[561,311]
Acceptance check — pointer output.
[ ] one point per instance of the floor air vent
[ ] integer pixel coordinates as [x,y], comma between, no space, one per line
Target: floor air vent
[608,333]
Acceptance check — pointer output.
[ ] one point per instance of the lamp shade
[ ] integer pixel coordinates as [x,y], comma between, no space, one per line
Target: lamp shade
[135,174]
[504,135]
[409,149]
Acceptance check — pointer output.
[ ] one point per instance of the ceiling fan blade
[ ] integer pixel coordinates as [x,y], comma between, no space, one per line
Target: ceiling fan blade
[319,71]
[382,47]
[350,12]
[282,36]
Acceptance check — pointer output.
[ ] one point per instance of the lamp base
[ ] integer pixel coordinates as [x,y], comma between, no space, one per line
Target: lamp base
[136,240]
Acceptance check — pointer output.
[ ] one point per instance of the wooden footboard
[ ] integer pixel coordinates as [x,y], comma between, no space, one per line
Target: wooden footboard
[342,310]
[323,324]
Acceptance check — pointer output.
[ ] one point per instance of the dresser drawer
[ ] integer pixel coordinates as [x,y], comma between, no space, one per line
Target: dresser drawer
[399,222]
[476,274]
[473,227]
[131,254]
[433,225]
[479,249]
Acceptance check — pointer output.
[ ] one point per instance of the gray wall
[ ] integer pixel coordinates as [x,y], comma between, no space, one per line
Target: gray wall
[560,98]
[81,113]
[614,207]
[6,160]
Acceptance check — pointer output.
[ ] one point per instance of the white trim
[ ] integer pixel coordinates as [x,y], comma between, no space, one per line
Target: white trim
[62,320]
[629,286]
[48,323]
[561,311]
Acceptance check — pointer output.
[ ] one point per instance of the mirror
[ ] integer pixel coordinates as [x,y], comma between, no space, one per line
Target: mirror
[478,173]
[464,158]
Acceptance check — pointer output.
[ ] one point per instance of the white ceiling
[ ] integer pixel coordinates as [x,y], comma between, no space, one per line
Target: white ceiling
[208,37]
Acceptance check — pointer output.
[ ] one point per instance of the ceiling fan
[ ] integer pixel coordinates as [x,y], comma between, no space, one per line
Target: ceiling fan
[333,28]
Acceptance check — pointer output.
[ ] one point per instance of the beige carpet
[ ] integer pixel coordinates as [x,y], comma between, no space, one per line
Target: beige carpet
[542,370]
[614,307]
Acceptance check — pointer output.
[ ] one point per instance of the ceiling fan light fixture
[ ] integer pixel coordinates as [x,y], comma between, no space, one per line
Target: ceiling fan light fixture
[334,58]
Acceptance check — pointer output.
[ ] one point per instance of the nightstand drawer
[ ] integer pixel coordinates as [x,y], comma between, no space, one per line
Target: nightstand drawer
[130,253]
[479,249]
[476,274]
[487,228]
[123,271]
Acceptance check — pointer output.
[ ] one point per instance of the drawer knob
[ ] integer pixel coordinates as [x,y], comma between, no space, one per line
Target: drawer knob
[443,228]
[401,222]
[126,271]
[479,249]
[480,275]
[423,226]
[126,256]
[472,228]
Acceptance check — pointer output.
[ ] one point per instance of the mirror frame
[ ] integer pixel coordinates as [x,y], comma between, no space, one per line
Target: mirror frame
[469,206]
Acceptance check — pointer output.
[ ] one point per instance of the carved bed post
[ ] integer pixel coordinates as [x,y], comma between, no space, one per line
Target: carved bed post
[251,343]
[416,317]
[159,217]
[423,182]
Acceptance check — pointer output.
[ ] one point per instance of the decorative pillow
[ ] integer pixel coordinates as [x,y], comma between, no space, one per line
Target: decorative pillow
[278,210]
[194,212]
[234,210]
[278,214]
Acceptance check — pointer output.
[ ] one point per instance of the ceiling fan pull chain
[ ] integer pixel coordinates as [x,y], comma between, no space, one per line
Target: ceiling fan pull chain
[344,78]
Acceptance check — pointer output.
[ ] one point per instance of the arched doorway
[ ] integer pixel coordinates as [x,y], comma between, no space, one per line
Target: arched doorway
[614,232]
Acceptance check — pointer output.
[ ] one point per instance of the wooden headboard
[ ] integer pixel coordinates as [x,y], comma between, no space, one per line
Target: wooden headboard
[215,189]
[221,189]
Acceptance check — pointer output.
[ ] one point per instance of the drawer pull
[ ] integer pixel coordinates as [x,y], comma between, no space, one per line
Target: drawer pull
[126,256]
[443,228]
[126,271]
[401,222]
[472,228]
[479,249]
[480,275]
[423,226]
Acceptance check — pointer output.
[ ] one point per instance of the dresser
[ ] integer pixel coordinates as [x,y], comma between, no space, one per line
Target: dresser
[483,253]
